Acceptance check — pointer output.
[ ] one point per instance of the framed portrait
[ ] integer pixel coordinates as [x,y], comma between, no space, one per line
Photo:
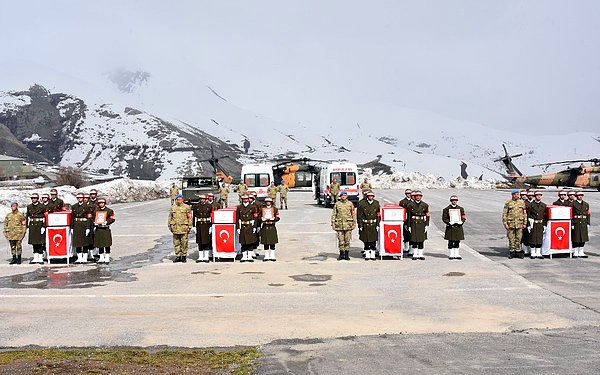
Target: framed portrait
[455,217]
[100,218]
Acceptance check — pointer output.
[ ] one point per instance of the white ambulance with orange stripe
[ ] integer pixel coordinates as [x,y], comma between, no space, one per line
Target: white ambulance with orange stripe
[347,176]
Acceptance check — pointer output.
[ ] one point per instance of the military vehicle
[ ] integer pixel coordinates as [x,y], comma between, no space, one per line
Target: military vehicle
[194,186]
[583,176]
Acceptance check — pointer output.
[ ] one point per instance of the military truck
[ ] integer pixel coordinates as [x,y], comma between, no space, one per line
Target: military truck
[193,186]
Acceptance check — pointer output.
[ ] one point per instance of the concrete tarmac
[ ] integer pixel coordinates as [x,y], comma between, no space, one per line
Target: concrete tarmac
[143,299]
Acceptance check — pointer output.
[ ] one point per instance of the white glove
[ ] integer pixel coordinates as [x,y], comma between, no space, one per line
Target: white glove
[71,231]
[210,230]
[263,219]
[426,226]
[544,229]
[43,230]
[87,232]
[238,230]
[572,226]
[254,230]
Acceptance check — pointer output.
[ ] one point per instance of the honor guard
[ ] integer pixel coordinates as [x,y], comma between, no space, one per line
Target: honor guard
[15,226]
[283,194]
[272,191]
[268,232]
[173,193]
[81,218]
[46,201]
[180,224]
[247,227]
[368,216]
[343,221]
[454,227]
[56,204]
[203,222]
[223,195]
[570,198]
[103,218]
[242,188]
[418,219]
[580,225]
[334,188]
[536,220]
[210,199]
[405,232]
[35,222]
[256,203]
[93,204]
[514,219]
[562,199]
[525,246]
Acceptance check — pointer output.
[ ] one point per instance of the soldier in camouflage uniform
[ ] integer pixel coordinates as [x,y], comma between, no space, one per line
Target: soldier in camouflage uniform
[343,221]
[203,219]
[180,224]
[35,223]
[579,225]
[268,232]
[14,231]
[405,232]
[81,218]
[283,193]
[368,216]
[242,188]
[56,204]
[173,193]
[247,227]
[334,188]
[454,231]
[365,187]
[562,199]
[514,219]
[223,195]
[536,219]
[102,233]
[272,191]
[418,220]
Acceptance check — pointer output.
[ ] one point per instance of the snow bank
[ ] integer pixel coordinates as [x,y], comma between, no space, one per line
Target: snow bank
[417,180]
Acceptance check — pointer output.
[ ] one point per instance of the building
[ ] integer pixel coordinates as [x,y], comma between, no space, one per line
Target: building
[12,168]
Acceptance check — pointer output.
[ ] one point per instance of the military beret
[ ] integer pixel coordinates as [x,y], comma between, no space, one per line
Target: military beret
[516,191]
[179,196]
[343,192]
[14,203]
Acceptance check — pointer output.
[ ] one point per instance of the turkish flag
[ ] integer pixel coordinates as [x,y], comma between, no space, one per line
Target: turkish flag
[392,234]
[56,241]
[224,237]
[560,235]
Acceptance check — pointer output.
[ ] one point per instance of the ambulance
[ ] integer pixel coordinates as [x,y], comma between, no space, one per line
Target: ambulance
[258,177]
[347,176]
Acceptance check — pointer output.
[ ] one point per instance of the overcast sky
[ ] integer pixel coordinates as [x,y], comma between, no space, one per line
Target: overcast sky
[525,64]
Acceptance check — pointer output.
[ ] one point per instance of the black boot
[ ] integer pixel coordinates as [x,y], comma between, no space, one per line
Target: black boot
[177,259]
[341,256]
[184,259]
[347,254]
[14,260]
[18,259]
[511,254]
[521,254]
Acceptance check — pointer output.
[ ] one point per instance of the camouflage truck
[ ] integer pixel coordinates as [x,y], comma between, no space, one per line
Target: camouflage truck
[193,186]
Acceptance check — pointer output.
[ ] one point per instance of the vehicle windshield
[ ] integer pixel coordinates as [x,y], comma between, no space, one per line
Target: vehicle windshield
[257,179]
[344,178]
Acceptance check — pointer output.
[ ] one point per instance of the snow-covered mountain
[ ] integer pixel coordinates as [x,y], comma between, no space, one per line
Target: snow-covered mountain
[133,122]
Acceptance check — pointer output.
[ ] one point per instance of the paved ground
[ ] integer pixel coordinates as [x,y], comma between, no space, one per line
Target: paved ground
[143,299]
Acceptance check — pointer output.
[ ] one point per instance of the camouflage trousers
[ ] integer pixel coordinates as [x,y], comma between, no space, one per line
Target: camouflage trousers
[181,244]
[282,201]
[16,247]
[514,238]
[223,202]
[344,237]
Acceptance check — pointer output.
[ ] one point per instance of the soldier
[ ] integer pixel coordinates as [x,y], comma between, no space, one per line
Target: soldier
[272,191]
[46,201]
[365,186]
[334,188]
[525,247]
[180,224]
[203,219]
[405,232]
[247,227]
[35,223]
[102,234]
[56,204]
[92,203]
[211,200]
[242,188]
[256,203]
[579,225]
[268,233]
[454,230]
[81,217]
[343,221]
[514,219]
[571,198]
[173,193]
[283,192]
[368,216]
[223,195]
[418,219]
[15,226]
[562,199]
[536,218]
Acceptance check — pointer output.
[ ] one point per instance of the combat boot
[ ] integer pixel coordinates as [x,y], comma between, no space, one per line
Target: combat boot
[14,260]
[511,254]
[177,259]
[347,254]
[184,259]
[18,259]
[341,256]
[521,255]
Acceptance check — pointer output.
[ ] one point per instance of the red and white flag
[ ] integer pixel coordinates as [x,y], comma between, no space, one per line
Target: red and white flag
[224,238]
[560,235]
[392,238]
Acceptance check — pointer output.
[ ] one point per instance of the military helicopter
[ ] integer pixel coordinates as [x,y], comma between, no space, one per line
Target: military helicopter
[295,173]
[584,176]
